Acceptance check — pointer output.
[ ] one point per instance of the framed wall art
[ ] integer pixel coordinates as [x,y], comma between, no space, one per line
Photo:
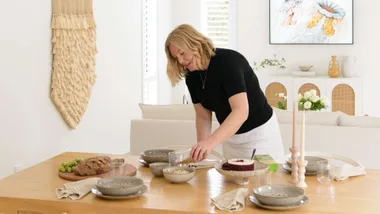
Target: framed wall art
[311,22]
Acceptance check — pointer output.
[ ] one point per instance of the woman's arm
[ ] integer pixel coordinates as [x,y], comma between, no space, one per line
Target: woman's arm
[238,115]
[202,122]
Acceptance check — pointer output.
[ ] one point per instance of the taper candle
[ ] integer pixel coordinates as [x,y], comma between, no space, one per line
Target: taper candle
[302,155]
[294,125]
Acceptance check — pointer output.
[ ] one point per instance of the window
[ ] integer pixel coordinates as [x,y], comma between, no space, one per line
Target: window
[149,45]
[218,22]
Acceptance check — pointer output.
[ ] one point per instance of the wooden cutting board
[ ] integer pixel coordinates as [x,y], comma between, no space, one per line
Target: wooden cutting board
[129,170]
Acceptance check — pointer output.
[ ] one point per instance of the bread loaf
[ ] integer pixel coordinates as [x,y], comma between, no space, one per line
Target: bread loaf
[94,165]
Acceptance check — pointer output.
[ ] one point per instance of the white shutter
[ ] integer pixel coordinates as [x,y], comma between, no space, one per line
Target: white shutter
[149,46]
[218,22]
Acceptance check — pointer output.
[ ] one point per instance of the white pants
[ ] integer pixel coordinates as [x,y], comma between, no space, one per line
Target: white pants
[266,139]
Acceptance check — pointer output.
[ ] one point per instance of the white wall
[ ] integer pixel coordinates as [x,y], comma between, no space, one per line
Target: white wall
[32,129]
[184,12]
[253,42]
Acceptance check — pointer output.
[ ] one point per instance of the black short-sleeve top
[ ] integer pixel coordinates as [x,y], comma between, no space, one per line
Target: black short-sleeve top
[229,73]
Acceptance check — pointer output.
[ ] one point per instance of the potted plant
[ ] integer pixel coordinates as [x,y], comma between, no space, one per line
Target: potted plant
[310,101]
[274,64]
[281,104]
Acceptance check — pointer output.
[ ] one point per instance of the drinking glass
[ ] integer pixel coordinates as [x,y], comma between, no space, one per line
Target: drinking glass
[175,157]
[324,171]
[262,178]
[116,169]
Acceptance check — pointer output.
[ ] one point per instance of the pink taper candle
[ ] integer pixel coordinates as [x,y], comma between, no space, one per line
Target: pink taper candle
[303,137]
[294,125]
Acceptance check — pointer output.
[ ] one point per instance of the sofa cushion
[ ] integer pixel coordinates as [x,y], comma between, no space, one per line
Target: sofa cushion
[312,117]
[169,112]
[359,121]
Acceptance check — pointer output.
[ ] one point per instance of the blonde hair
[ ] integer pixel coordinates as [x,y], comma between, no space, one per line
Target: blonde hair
[188,39]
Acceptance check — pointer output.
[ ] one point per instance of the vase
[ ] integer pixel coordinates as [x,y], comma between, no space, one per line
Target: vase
[334,70]
[348,66]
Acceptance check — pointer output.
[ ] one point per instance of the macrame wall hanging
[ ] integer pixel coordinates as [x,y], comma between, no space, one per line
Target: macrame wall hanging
[74,50]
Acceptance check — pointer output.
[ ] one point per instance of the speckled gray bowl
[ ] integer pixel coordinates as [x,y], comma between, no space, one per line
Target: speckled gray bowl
[123,185]
[311,163]
[178,178]
[156,168]
[156,155]
[278,194]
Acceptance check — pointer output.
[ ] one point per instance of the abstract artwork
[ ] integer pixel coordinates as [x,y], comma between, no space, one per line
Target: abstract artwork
[311,22]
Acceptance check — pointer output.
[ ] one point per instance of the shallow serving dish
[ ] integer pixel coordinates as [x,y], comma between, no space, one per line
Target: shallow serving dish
[156,168]
[179,174]
[311,163]
[156,155]
[278,194]
[123,185]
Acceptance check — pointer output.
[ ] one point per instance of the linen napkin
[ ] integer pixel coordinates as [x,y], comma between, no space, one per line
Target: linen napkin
[231,201]
[76,190]
[346,171]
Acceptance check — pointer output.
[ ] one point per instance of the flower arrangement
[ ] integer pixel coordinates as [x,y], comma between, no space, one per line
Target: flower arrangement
[281,104]
[310,101]
[280,63]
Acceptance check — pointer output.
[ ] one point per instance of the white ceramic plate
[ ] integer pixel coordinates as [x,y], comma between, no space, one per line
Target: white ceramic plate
[303,202]
[334,159]
[96,192]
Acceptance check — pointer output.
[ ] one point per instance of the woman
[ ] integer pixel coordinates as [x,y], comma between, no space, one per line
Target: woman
[222,81]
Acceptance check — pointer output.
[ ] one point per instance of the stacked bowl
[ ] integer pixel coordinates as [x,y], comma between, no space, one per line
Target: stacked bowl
[122,186]
[279,196]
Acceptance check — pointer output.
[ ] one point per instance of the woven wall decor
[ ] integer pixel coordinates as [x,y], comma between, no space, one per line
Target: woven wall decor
[343,99]
[308,87]
[270,93]
[74,50]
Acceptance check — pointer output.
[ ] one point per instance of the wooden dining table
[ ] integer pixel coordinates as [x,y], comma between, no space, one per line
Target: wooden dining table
[32,191]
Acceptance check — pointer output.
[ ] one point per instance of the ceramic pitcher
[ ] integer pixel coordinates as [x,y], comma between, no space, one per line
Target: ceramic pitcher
[334,69]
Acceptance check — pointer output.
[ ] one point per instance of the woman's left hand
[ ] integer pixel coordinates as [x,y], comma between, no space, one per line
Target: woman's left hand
[202,149]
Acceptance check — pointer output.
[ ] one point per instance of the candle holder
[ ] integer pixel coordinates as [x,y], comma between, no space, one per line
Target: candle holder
[301,173]
[295,153]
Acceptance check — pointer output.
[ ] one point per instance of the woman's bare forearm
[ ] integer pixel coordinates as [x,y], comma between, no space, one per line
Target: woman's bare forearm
[203,126]
[229,127]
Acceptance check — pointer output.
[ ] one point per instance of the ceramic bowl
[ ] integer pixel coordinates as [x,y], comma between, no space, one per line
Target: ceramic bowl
[117,186]
[311,163]
[156,168]
[171,176]
[156,155]
[278,194]
[305,67]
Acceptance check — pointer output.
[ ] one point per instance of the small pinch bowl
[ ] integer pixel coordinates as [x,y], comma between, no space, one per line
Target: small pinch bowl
[305,67]
[156,168]
[169,174]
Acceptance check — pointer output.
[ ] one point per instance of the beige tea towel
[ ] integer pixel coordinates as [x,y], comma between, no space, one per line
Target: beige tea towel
[76,190]
[231,201]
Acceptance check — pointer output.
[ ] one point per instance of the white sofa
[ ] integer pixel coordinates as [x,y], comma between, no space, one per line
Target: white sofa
[329,132]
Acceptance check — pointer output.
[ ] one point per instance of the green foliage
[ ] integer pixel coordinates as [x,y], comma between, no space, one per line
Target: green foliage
[280,63]
[280,105]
